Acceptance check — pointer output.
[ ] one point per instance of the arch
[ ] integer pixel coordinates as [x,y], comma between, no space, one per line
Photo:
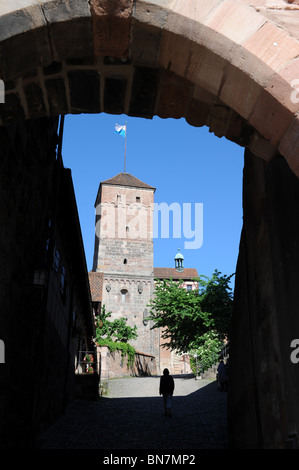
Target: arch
[226,64]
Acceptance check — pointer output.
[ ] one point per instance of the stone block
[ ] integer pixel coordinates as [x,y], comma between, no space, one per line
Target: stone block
[57,99]
[261,147]
[84,86]
[284,86]
[174,96]
[235,21]
[270,118]
[69,24]
[218,119]
[205,69]
[273,46]
[192,61]
[199,107]
[151,12]
[111,22]
[286,19]
[14,65]
[239,91]
[218,26]
[17,21]
[198,112]
[144,92]
[289,146]
[145,45]
[238,130]
[173,53]
[188,19]
[35,100]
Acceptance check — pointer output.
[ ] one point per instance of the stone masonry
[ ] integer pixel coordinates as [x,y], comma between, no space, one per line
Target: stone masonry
[231,65]
[124,253]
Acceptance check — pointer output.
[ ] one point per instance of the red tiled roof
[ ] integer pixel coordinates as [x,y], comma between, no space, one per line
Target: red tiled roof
[126,179]
[167,273]
[96,285]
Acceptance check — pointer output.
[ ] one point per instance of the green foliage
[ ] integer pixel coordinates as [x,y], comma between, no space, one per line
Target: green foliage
[207,351]
[193,319]
[178,310]
[216,297]
[115,335]
[116,330]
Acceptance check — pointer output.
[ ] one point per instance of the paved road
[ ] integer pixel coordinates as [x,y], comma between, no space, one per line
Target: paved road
[131,417]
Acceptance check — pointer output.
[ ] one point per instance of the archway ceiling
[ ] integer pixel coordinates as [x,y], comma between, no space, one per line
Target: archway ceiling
[228,64]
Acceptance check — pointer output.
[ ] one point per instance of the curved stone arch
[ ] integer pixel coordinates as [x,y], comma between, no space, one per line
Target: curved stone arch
[222,63]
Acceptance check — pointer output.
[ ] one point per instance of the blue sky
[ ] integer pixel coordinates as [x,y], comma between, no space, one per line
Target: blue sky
[185,164]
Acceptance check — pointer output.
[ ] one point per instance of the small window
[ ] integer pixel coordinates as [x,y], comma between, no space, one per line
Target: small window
[137,198]
[118,199]
[125,261]
[124,293]
[189,287]
[56,261]
[62,280]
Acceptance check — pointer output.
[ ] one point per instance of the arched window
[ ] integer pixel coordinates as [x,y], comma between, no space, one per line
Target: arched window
[124,295]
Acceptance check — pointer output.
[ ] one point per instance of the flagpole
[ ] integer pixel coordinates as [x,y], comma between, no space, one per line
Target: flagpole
[125,148]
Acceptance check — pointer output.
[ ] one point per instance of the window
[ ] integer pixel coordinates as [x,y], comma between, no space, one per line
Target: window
[62,280]
[125,261]
[137,198]
[118,199]
[56,261]
[189,287]
[124,295]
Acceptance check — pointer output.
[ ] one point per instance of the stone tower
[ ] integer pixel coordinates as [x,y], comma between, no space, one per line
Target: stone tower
[124,253]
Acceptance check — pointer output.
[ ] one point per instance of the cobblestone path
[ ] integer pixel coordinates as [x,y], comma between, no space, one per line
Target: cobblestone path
[131,417]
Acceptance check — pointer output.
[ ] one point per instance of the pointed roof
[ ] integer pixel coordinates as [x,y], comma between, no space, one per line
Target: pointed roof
[126,179]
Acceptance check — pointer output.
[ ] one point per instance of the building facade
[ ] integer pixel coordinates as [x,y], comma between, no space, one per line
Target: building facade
[123,274]
[123,255]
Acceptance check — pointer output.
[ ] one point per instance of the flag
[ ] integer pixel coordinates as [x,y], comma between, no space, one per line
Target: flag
[120,130]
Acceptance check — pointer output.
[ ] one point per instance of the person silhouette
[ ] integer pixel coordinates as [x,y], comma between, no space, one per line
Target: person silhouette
[166,389]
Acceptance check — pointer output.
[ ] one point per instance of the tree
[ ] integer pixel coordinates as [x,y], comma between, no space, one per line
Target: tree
[116,330]
[115,334]
[216,297]
[188,316]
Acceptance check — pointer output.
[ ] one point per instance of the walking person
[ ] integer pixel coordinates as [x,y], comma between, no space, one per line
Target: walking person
[222,376]
[166,389]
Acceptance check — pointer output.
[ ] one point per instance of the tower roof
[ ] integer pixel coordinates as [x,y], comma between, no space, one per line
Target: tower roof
[126,179]
[179,255]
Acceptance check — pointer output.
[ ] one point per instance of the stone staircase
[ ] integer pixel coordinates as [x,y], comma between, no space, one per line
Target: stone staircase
[210,373]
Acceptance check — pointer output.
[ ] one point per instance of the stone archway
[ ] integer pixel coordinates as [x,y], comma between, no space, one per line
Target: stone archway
[231,65]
